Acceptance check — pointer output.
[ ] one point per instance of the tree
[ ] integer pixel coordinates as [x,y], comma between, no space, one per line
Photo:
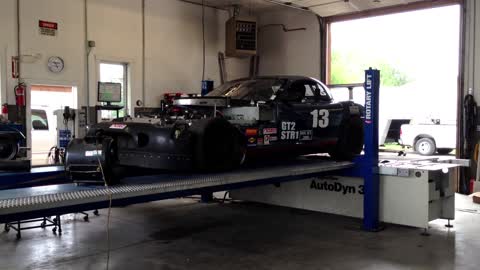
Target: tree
[348,68]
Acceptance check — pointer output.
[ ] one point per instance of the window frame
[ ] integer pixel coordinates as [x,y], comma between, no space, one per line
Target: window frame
[125,88]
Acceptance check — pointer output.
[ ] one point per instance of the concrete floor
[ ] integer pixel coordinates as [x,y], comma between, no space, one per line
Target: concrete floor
[184,234]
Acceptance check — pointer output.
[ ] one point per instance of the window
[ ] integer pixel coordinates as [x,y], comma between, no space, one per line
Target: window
[309,90]
[39,120]
[115,73]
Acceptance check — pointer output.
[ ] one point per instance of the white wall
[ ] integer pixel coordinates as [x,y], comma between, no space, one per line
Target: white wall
[68,43]
[289,53]
[173,44]
[115,26]
[174,48]
[7,46]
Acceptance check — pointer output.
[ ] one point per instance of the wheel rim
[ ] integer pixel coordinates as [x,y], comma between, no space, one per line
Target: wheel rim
[424,147]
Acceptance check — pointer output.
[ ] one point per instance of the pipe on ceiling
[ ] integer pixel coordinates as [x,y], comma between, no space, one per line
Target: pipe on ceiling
[290,5]
[200,4]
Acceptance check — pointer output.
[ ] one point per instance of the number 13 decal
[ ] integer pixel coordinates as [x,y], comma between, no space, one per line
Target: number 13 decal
[320,118]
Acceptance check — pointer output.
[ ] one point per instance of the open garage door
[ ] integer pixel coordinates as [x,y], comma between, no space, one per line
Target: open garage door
[418,55]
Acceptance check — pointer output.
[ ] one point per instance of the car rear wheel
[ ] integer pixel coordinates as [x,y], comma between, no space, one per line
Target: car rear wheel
[218,145]
[425,146]
[350,139]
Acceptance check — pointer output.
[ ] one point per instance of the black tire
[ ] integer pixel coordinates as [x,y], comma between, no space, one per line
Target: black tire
[350,139]
[444,151]
[425,146]
[218,145]
[8,149]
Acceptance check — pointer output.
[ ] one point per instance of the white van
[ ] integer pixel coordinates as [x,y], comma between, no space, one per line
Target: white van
[44,134]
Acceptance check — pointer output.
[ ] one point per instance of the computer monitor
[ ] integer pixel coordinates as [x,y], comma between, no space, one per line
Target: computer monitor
[109,92]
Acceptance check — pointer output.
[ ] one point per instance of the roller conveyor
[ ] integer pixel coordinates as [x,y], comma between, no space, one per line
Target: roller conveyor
[28,203]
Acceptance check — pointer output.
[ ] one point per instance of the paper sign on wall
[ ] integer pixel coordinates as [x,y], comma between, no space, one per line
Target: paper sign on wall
[48,28]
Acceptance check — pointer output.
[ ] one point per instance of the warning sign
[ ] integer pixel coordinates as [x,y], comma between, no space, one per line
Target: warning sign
[48,28]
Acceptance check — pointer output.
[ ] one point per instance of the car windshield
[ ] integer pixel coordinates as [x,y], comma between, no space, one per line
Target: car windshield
[254,89]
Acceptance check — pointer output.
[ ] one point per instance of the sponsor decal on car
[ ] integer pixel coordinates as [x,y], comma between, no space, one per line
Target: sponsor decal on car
[118,126]
[288,131]
[306,135]
[93,153]
[251,132]
[267,139]
[269,131]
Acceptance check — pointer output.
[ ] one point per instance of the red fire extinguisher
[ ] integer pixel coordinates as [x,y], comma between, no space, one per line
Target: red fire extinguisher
[20,94]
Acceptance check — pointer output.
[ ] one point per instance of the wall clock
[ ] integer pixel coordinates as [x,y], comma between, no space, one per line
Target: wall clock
[55,64]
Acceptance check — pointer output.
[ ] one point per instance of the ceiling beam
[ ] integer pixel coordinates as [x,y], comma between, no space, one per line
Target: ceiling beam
[425,4]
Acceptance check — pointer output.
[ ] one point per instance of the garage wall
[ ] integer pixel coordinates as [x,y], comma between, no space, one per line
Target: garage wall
[36,49]
[289,53]
[174,53]
[472,48]
[173,45]
[68,43]
[7,41]
[115,26]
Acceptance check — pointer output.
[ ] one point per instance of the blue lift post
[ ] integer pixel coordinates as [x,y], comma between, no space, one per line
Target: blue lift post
[366,165]
[369,161]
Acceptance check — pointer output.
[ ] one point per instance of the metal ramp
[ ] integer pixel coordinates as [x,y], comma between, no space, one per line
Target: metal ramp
[28,203]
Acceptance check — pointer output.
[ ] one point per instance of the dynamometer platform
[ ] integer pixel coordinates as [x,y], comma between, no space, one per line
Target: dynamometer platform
[55,200]
[37,176]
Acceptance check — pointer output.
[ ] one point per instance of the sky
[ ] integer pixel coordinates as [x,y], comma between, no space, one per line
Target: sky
[423,44]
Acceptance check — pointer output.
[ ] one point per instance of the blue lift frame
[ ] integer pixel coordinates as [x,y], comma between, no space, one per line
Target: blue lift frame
[370,158]
[366,166]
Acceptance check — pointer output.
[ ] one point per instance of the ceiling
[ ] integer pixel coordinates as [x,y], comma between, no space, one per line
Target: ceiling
[324,8]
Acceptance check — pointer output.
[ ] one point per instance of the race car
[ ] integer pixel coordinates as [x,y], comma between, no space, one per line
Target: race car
[246,119]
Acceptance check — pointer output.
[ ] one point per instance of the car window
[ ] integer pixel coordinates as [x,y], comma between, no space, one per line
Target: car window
[250,89]
[39,120]
[309,90]
[296,92]
[325,93]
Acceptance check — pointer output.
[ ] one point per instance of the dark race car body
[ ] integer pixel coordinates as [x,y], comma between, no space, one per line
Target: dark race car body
[265,117]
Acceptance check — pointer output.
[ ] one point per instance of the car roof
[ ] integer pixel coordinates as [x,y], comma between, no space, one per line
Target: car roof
[278,77]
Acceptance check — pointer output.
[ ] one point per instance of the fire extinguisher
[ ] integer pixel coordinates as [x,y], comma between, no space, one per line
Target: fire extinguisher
[20,94]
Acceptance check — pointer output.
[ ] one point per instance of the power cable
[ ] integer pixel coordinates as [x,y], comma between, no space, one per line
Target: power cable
[109,194]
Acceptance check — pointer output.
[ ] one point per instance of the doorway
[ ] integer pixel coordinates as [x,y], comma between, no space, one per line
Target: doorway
[46,102]
[417,53]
